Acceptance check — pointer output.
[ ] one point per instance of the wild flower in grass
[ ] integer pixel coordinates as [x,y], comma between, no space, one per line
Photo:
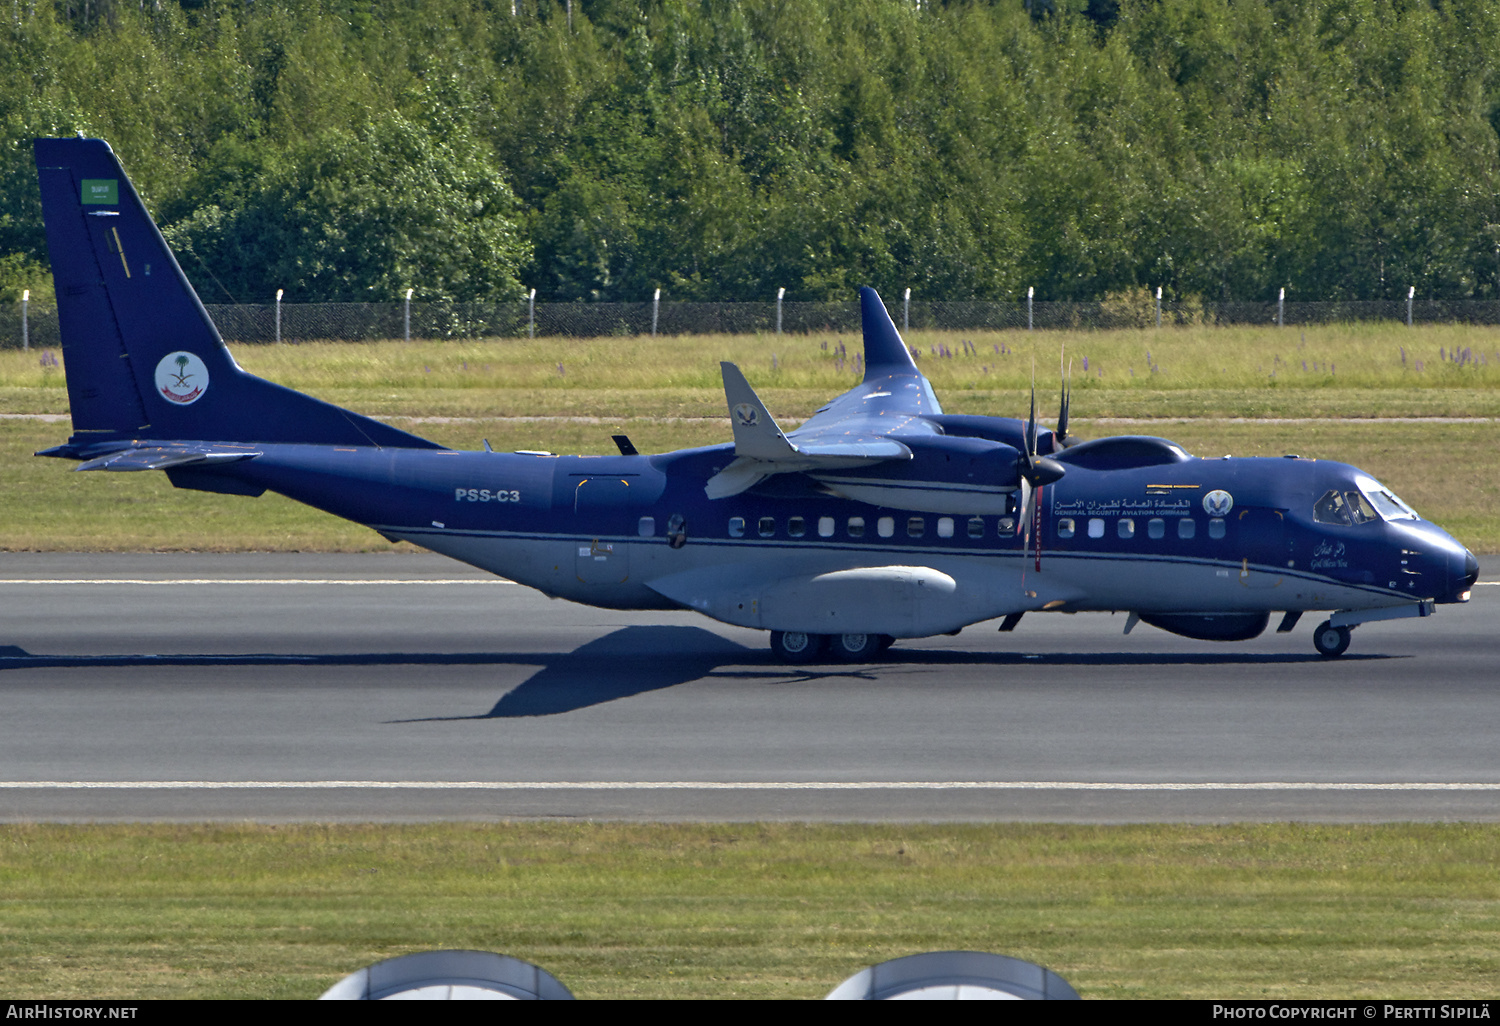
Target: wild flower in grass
[1085,364]
[426,369]
[825,345]
[774,364]
[1304,366]
[48,360]
[1403,355]
[1419,366]
[560,372]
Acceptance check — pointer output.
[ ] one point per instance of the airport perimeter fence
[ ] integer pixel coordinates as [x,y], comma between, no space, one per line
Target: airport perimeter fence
[365,322]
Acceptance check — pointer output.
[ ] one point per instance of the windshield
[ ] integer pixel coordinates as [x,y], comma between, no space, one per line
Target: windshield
[1353,506]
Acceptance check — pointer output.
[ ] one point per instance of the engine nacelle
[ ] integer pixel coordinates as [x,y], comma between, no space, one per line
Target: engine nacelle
[1213,627]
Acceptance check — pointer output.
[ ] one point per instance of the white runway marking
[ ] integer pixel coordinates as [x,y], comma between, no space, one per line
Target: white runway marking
[249,580]
[734,785]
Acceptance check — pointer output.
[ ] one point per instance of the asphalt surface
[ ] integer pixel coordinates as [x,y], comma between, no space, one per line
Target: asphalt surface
[397,687]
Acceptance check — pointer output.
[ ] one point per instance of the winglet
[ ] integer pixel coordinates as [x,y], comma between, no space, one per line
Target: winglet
[755,432]
[885,352]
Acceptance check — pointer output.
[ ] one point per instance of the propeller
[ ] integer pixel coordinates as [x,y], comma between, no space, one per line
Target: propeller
[1035,471]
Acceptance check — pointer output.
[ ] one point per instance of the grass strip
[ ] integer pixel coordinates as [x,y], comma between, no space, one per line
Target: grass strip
[752,910]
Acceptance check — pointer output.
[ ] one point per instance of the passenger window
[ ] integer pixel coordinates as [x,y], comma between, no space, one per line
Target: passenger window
[1125,528]
[915,527]
[647,527]
[976,527]
[1005,527]
[945,527]
[1096,527]
[767,526]
[1156,527]
[856,527]
[825,527]
[1065,527]
[1216,527]
[677,530]
[886,527]
[736,527]
[1187,527]
[796,527]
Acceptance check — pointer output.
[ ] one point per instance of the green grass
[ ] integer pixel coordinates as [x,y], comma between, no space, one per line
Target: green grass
[754,910]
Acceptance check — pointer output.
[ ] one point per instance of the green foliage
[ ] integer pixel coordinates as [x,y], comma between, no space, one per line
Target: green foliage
[1217,148]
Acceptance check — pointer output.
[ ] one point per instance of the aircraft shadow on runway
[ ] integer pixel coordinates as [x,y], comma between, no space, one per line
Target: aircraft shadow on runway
[635,660]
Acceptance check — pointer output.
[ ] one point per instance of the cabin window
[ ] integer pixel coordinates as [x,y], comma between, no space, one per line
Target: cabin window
[825,527]
[646,527]
[1005,527]
[976,527]
[915,527]
[856,527]
[1216,527]
[796,527]
[945,527]
[767,526]
[736,527]
[886,527]
[1065,527]
[1187,527]
[1096,527]
[1156,527]
[1125,528]
[677,530]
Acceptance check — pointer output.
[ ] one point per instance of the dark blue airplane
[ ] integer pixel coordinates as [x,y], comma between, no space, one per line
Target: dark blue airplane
[880,518]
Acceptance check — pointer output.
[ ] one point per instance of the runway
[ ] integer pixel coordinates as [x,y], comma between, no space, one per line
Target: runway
[398,687]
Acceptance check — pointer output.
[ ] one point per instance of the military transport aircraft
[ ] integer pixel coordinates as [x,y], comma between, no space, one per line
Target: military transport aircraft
[880,518]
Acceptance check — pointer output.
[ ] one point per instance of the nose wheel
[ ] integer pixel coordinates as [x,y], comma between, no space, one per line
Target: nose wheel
[1331,641]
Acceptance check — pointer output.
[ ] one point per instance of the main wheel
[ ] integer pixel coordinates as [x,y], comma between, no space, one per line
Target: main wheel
[856,648]
[797,647]
[1331,641]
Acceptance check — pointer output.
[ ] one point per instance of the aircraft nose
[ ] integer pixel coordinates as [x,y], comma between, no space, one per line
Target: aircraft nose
[1470,573]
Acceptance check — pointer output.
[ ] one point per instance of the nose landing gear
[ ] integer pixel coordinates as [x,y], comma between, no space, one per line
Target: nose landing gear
[1330,641]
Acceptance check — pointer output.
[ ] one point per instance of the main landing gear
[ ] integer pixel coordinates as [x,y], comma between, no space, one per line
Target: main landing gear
[1330,641]
[799,648]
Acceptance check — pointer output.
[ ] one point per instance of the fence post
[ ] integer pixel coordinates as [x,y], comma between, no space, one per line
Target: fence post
[278,317]
[531,315]
[25,328]
[406,317]
[1158,306]
[906,312]
[1410,295]
[1030,291]
[655,310]
[1281,308]
[779,293]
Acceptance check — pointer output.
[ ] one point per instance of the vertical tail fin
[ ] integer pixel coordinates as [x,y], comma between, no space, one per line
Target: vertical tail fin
[885,352]
[142,357]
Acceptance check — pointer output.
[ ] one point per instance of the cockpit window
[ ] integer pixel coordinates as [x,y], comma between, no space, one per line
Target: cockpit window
[1390,507]
[1351,507]
[1333,508]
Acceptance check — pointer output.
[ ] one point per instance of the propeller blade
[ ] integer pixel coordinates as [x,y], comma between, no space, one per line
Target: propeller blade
[1067,400]
[1031,422]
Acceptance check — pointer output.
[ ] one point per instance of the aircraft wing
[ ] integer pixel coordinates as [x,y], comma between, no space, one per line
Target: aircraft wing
[860,427]
[761,448]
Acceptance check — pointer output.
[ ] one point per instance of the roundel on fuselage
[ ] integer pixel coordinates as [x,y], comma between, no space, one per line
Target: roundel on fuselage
[1218,503]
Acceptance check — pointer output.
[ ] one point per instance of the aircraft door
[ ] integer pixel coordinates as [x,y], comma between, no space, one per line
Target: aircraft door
[1264,539]
[601,560]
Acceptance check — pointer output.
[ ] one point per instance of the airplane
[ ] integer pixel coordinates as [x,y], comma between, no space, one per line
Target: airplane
[880,518]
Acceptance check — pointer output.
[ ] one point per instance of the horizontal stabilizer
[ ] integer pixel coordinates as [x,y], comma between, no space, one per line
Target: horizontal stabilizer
[162,457]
